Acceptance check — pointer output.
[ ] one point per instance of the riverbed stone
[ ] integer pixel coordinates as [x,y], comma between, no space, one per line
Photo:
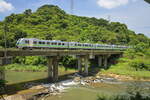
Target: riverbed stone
[37,87]
[77,79]
[98,77]
[15,97]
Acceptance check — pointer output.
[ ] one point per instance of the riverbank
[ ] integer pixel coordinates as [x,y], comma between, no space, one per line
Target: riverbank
[125,77]
[124,71]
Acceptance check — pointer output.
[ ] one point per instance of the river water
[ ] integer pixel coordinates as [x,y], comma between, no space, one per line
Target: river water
[86,92]
[97,89]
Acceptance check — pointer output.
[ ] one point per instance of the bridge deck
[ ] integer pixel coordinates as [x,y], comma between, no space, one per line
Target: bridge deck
[53,52]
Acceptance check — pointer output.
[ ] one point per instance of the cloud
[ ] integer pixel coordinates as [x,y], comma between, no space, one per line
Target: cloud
[5,6]
[109,4]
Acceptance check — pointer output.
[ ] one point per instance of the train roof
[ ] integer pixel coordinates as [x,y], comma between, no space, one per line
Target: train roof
[29,39]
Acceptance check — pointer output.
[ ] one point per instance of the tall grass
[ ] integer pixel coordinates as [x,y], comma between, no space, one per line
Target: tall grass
[34,68]
[124,68]
[21,67]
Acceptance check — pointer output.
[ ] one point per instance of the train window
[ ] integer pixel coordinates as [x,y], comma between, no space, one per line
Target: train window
[48,43]
[27,41]
[34,42]
[63,43]
[40,42]
[43,42]
[59,43]
[54,43]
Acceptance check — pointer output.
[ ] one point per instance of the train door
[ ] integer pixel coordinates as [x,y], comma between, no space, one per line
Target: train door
[30,43]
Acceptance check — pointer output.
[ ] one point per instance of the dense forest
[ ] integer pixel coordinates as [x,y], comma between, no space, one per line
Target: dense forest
[51,23]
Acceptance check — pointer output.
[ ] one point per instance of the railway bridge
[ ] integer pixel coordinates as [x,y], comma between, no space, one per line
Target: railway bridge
[53,56]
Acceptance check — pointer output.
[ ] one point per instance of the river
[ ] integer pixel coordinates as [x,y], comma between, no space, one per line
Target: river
[88,92]
[92,92]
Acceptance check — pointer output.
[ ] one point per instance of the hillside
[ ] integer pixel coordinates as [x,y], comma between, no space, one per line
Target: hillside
[52,23]
[147,1]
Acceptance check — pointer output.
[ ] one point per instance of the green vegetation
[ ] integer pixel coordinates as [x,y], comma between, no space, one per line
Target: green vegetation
[134,91]
[125,69]
[137,96]
[135,62]
[147,1]
[2,83]
[52,23]
[22,68]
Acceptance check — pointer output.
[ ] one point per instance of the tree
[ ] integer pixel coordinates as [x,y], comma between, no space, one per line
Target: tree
[28,12]
[52,23]
[147,1]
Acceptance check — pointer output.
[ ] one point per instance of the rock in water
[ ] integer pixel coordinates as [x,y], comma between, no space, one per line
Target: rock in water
[77,79]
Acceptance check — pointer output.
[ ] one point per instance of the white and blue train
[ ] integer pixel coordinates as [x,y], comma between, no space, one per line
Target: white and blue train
[33,43]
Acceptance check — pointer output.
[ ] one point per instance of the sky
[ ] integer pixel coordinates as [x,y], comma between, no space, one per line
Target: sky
[134,13]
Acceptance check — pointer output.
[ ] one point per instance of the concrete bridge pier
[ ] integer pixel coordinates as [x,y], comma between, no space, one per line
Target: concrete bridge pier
[86,61]
[82,58]
[105,62]
[50,68]
[79,64]
[52,63]
[55,68]
[100,62]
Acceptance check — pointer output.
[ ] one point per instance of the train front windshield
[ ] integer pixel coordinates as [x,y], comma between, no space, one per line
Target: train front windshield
[18,42]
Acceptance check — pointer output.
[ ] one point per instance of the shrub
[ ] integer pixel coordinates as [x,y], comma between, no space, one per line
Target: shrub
[19,67]
[68,61]
[123,60]
[137,96]
[140,64]
[2,85]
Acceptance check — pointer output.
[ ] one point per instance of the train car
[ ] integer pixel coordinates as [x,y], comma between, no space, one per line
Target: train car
[103,46]
[32,43]
[25,43]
